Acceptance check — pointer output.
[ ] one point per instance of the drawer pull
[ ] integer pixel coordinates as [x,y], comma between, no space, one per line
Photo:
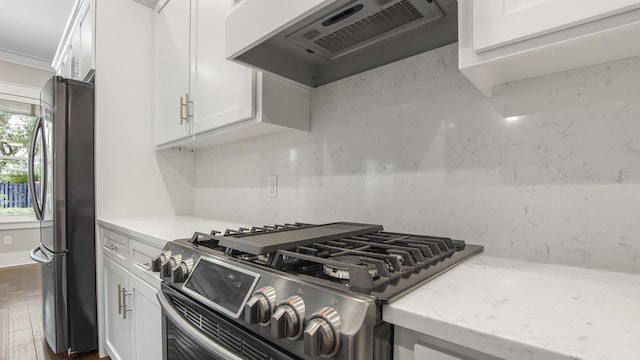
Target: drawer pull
[146,266]
[111,246]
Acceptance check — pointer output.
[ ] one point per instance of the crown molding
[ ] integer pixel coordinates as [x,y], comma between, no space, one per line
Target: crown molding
[25,60]
[148,3]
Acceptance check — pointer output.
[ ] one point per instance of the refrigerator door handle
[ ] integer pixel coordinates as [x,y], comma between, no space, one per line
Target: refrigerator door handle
[32,254]
[37,208]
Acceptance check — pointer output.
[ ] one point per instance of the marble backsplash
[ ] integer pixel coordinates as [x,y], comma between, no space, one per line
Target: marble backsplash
[548,170]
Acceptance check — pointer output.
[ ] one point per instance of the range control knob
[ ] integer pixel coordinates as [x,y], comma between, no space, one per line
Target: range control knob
[260,306]
[167,267]
[322,334]
[158,261]
[288,319]
[180,272]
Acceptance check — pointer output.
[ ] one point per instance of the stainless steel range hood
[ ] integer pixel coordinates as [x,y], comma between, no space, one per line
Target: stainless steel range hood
[314,42]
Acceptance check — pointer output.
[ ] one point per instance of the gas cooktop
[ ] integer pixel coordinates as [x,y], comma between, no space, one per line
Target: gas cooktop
[356,257]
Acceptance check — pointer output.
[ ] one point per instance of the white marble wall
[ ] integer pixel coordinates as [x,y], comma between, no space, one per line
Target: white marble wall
[548,170]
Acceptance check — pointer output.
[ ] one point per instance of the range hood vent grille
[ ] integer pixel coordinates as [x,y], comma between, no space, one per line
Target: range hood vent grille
[363,23]
[387,19]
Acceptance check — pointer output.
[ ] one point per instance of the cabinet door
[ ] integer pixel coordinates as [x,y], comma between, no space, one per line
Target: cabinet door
[65,69]
[146,321]
[86,43]
[498,23]
[421,352]
[223,91]
[172,78]
[117,340]
[75,51]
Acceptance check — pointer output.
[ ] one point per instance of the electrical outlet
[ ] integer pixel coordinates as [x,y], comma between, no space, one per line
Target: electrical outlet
[8,240]
[272,186]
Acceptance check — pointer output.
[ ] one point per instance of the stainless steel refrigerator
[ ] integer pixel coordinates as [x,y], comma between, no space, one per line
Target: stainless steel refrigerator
[61,177]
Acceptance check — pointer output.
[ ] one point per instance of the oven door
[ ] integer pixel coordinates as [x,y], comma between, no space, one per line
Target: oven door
[191,331]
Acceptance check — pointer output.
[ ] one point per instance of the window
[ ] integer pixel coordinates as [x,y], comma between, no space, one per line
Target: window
[17,120]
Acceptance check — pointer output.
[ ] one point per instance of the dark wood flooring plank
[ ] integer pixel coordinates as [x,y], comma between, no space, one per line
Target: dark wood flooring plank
[20,292]
[21,346]
[4,329]
[43,351]
[18,312]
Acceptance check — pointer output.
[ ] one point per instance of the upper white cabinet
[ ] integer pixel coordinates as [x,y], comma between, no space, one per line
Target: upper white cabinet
[503,41]
[74,58]
[172,79]
[223,90]
[204,99]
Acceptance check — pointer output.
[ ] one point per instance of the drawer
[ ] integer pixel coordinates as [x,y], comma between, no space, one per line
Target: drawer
[140,256]
[115,246]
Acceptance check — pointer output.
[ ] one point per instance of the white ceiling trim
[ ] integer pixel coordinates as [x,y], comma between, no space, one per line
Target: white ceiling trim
[148,3]
[21,93]
[25,60]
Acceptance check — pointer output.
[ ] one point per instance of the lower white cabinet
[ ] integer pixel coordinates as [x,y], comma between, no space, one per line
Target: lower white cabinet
[132,321]
[411,345]
[117,328]
[146,321]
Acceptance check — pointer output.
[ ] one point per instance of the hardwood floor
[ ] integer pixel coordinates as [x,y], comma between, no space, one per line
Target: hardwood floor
[21,335]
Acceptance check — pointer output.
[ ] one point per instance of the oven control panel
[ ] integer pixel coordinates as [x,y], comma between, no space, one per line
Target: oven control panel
[306,319]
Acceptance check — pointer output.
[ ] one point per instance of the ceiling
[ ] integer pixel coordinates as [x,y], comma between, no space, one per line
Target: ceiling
[30,30]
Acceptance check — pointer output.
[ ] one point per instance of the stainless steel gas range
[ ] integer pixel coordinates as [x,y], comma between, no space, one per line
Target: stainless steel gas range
[293,291]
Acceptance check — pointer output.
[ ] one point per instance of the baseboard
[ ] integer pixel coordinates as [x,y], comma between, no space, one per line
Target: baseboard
[15,258]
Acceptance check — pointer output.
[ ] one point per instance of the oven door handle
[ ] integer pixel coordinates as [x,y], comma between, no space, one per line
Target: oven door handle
[181,323]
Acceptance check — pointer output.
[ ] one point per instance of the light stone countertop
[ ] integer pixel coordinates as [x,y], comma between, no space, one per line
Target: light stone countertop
[524,310]
[158,230]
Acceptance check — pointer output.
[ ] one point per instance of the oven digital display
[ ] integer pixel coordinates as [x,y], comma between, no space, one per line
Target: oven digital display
[225,286]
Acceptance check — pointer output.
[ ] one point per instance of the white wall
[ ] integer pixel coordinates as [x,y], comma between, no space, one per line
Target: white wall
[547,170]
[23,75]
[23,240]
[131,177]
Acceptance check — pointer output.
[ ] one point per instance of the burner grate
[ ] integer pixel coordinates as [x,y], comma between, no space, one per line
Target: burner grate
[366,261]
[358,257]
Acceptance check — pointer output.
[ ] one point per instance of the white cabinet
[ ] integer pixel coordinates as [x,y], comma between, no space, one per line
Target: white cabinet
[223,91]
[503,41]
[203,99]
[116,326]
[74,57]
[422,351]
[146,321]
[132,325]
[172,78]
[411,345]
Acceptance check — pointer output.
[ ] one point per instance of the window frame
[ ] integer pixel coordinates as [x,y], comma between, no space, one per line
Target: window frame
[29,95]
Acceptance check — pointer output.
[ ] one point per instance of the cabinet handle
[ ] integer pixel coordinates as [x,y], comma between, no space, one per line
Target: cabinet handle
[181,111]
[111,247]
[120,298]
[184,105]
[146,266]
[124,302]
[188,103]
[74,67]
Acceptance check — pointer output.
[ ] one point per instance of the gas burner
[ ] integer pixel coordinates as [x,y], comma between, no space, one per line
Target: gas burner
[342,273]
